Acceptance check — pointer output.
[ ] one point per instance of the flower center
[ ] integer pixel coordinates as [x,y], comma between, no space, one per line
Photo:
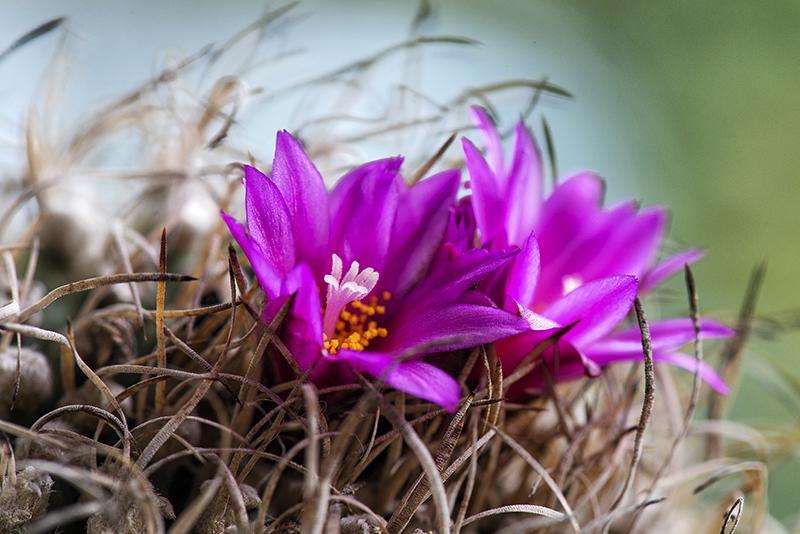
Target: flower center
[570,283]
[356,327]
[347,322]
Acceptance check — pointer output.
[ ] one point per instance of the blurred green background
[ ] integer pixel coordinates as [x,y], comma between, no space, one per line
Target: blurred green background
[695,105]
[724,78]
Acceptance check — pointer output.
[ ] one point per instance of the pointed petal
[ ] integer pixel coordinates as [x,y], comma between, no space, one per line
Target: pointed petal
[599,305]
[469,321]
[579,252]
[306,198]
[632,245]
[301,282]
[268,276]
[303,349]
[667,337]
[363,208]
[523,275]
[571,201]
[706,373]
[570,216]
[523,190]
[487,201]
[422,218]
[669,267]
[534,320]
[427,382]
[454,277]
[414,377]
[268,220]
[667,334]
[494,148]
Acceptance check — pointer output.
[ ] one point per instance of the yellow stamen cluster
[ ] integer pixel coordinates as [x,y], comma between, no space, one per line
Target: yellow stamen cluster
[355,327]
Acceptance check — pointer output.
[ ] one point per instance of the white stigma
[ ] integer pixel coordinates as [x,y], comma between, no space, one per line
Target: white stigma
[342,291]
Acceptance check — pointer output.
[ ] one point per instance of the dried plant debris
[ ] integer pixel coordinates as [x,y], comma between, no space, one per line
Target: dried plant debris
[130,512]
[25,498]
[229,516]
[24,494]
[176,407]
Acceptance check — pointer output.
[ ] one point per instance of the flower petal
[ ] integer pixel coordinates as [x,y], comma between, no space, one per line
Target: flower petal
[453,278]
[631,247]
[534,320]
[452,326]
[268,220]
[427,382]
[669,267]
[579,253]
[301,282]
[306,199]
[422,218]
[599,306]
[487,201]
[488,131]
[268,276]
[569,218]
[523,275]
[570,203]
[363,208]
[414,377]
[523,189]
[445,313]
[706,373]
[667,334]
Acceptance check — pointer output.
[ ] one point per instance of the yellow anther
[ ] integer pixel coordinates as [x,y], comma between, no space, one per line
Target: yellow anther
[386,295]
[354,327]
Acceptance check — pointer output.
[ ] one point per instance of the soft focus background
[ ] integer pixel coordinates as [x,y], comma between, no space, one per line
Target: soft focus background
[689,104]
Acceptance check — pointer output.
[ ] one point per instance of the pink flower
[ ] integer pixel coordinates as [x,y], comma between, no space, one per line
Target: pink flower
[358,261]
[580,263]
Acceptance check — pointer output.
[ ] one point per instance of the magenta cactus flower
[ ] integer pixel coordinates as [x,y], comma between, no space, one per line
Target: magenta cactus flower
[580,263]
[358,261]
